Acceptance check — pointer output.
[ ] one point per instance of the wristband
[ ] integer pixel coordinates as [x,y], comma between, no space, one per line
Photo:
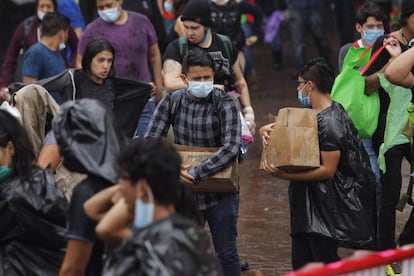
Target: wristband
[249,116]
[247,109]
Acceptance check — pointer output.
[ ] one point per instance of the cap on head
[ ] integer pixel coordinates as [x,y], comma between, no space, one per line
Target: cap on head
[197,11]
[407,8]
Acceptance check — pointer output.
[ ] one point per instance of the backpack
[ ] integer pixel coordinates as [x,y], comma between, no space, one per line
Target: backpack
[228,46]
[175,102]
[220,76]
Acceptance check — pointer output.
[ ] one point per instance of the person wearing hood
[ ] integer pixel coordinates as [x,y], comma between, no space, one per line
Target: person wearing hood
[27,34]
[89,143]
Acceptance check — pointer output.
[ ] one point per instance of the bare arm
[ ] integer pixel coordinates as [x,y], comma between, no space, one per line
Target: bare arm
[27,79]
[242,88]
[97,206]
[399,70]
[113,227]
[76,258]
[155,60]
[329,164]
[49,155]
[79,60]
[172,75]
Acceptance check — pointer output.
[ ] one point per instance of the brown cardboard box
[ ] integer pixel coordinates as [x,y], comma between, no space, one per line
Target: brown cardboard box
[222,182]
[293,143]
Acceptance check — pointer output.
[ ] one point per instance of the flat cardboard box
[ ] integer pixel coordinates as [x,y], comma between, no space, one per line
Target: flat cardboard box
[224,181]
[294,143]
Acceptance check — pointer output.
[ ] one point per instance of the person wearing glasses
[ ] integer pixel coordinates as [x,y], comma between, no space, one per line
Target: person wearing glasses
[332,205]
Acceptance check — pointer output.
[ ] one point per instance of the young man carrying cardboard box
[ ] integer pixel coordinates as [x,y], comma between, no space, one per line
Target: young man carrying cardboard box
[203,116]
[333,204]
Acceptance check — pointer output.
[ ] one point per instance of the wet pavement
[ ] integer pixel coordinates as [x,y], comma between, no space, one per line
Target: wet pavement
[264,240]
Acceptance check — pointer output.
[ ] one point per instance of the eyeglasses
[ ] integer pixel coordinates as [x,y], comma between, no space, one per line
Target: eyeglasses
[301,81]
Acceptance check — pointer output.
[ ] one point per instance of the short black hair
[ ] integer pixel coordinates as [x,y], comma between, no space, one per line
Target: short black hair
[197,57]
[320,72]
[370,9]
[52,23]
[93,48]
[156,161]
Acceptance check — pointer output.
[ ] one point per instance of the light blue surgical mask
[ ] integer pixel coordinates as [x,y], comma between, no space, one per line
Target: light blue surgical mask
[62,46]
[110,15]
[5,172]
[200,89]
[144,212]
[371,35]
[168,7]
[304,101]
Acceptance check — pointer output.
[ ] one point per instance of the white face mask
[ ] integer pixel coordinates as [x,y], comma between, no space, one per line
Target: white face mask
[62,46]
[220,2]
[40,15]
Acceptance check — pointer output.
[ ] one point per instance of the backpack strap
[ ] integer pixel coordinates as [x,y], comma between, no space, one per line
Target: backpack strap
[183,45]
[28,24]
[174,105]
[228,46]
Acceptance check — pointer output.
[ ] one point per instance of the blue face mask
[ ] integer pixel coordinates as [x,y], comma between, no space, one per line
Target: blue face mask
[144,212]
[109,15]
[200,89]
[304,101]
[5,172]
[168,7]
[371,35]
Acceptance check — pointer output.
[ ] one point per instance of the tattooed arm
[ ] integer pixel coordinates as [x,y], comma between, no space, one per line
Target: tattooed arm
[172,75]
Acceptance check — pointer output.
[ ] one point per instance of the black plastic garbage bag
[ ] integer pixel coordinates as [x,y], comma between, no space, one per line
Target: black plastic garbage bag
[88,138]
[129,99]
[342,207]
[172,246]
[32,229]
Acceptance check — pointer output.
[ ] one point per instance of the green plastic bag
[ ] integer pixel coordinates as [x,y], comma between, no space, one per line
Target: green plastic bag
[348,90]
[397,117]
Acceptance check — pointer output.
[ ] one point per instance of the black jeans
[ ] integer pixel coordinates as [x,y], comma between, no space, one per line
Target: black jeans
[390,194]
[313,248]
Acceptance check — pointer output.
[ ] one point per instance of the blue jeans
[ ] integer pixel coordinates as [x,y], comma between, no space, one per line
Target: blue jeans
[373,160]
[222,221]
[145,118]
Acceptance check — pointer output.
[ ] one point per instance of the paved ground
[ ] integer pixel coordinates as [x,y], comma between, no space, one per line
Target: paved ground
[264,215]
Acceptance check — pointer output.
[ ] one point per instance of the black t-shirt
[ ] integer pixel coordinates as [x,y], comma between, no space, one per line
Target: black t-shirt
[80,226]
[380,62]
[223,59]
[86,88]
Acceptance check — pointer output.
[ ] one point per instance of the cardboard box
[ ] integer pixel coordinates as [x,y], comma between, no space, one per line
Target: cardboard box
[293,143]
[222,182]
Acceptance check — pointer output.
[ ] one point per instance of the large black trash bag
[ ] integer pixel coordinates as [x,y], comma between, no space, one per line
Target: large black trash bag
[129,99]
[32,229]
[171,246]
[342,207]
[88,138]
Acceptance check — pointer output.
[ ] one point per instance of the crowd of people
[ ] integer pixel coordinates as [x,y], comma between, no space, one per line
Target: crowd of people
[92,114]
